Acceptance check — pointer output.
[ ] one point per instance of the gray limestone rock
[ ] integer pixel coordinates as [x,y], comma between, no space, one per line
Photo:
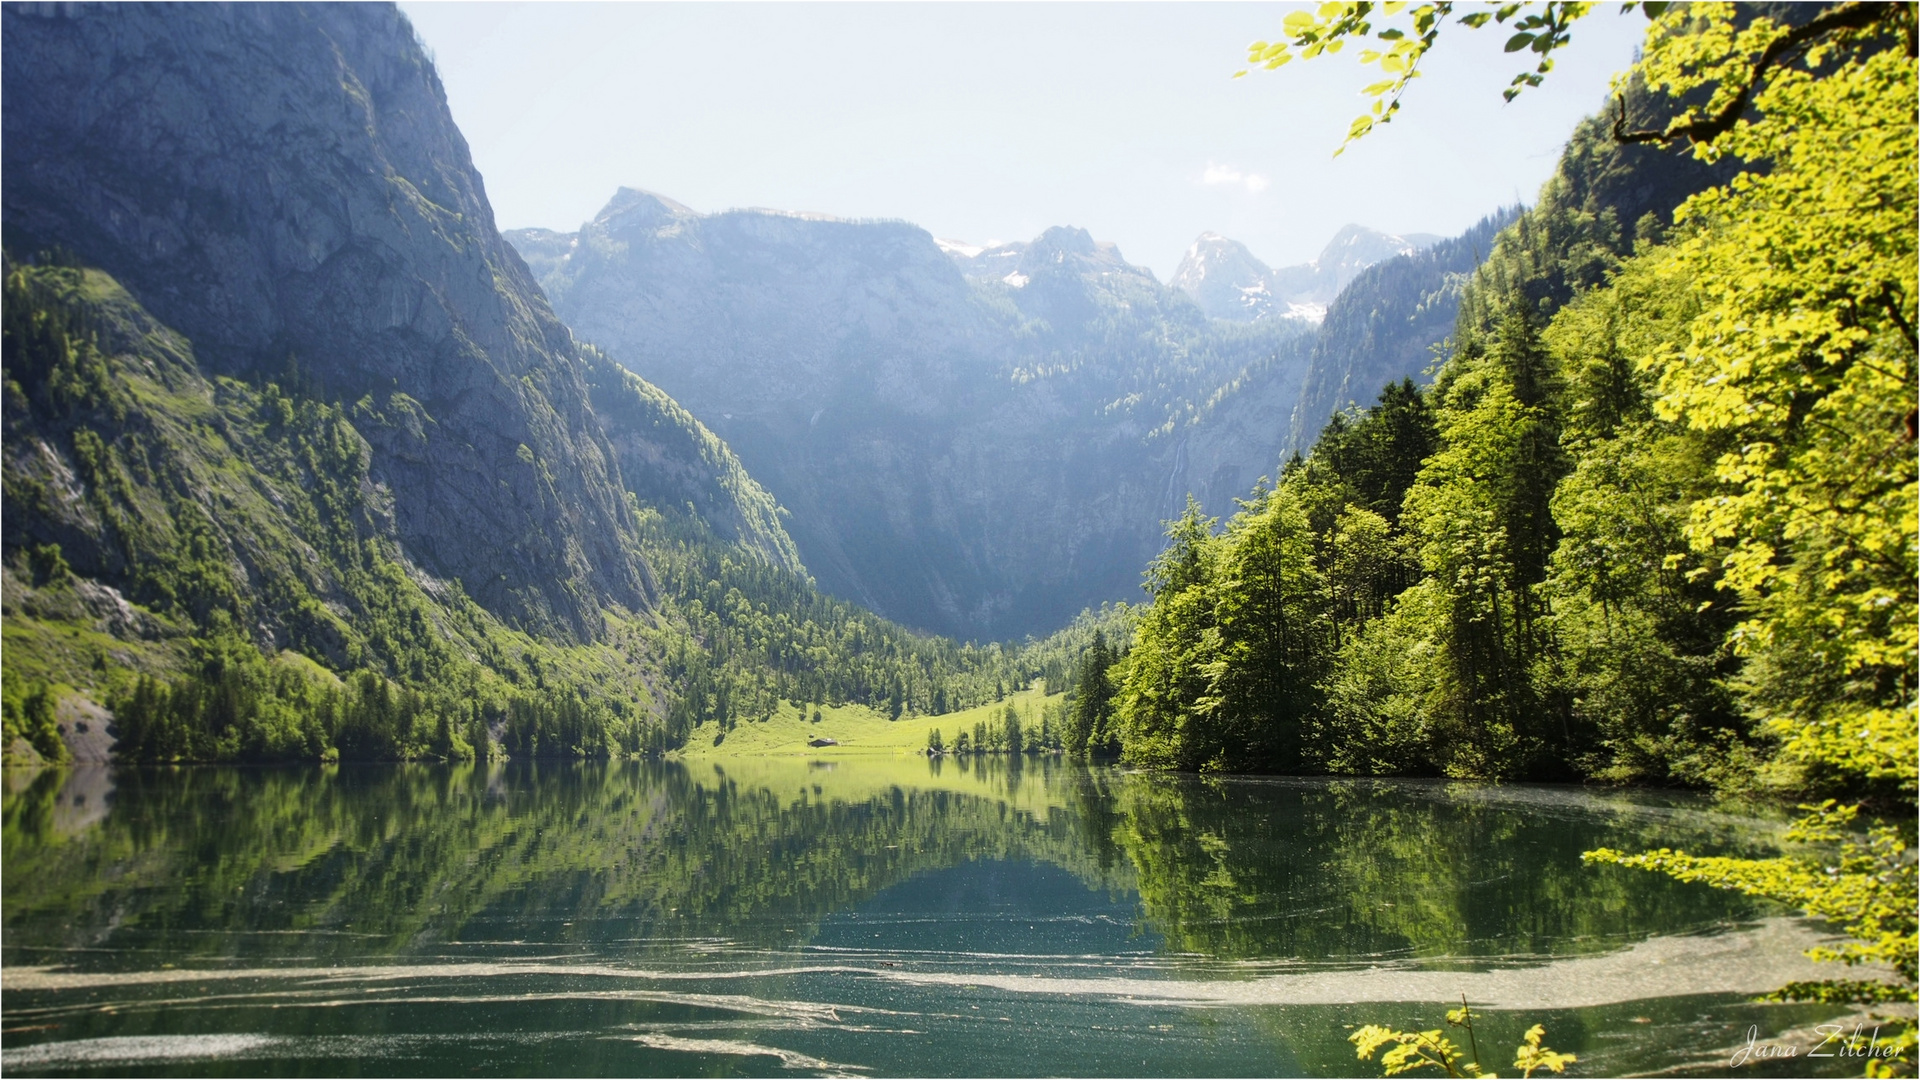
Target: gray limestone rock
[285,186]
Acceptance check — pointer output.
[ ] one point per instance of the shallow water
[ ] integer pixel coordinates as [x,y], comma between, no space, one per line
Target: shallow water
[884,917]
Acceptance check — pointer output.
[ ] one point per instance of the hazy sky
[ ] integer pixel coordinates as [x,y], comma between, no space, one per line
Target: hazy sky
[993,121]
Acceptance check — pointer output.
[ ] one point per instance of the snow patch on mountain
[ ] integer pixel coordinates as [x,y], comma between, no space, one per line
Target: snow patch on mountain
[1229,282]
[958,248]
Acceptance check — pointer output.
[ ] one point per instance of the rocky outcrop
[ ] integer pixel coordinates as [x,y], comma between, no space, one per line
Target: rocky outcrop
[284,186]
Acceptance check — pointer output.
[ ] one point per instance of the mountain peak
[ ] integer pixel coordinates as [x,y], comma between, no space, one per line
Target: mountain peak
[1212,257]
[634,208]
[1062,246]
[1064,240]
[1229,282]
[1356,247]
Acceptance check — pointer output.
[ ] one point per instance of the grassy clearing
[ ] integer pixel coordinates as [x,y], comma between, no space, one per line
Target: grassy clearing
[1033,786]
[859,730]
[75,655]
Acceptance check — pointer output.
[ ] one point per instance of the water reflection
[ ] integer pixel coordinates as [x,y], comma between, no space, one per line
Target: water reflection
[898,915]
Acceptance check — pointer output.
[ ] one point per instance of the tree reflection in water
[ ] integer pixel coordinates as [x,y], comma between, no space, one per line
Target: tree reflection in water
[760,850]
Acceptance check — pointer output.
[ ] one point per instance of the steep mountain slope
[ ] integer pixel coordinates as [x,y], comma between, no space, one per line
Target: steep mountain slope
[973,442]
[334,226]
[1228,282]
[210,502]
[335,223]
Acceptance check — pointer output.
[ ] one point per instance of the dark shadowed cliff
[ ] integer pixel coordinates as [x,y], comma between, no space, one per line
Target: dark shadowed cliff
[284,187]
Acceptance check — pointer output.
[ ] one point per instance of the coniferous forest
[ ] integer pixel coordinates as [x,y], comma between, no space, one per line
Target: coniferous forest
[1650,521]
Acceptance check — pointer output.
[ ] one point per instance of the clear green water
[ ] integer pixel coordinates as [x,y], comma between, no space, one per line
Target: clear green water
[886,917]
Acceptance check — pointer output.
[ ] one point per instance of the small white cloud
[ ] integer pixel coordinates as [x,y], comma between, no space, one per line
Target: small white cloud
[1217,174]
[1220,174]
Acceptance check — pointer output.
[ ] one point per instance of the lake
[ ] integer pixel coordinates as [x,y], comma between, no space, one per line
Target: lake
[888,916]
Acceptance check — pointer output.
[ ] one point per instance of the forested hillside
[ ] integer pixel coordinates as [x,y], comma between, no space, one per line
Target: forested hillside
[1654,519]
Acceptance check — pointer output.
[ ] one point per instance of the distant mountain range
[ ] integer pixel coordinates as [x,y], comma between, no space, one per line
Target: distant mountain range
[972,440]
[1228,282]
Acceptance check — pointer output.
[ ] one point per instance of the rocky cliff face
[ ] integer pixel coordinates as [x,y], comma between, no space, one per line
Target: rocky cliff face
[977,442]
[1228,282]
[284,187]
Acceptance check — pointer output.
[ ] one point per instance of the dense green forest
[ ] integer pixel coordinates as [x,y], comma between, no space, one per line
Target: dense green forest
[1652,521]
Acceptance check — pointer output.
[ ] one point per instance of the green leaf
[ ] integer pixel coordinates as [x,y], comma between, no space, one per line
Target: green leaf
[1476,20]
[1655,9]
[1518,42]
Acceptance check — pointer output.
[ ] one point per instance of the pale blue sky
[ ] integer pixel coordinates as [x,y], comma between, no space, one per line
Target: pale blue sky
[993,121]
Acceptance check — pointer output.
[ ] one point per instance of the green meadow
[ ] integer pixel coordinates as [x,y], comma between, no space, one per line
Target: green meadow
[858,730]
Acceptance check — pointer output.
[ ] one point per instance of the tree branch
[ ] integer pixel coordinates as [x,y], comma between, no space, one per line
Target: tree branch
[1854,15]
[1890,300]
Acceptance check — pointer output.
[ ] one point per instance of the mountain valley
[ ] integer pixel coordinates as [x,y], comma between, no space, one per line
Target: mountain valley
[973,441]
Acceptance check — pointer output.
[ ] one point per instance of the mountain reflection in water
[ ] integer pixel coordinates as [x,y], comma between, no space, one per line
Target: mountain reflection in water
[887,916]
